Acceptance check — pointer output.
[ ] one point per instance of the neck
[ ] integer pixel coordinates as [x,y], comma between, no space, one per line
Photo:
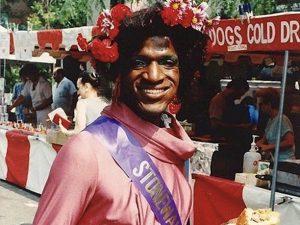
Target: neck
[35,81]
[92,94]
[59,80]
[274,113]
[152,118]
[156,120]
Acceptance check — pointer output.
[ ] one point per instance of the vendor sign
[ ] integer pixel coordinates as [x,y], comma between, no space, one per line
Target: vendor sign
[276,32]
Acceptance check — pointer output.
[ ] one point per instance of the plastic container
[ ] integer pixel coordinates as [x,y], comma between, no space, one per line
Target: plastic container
[251,158]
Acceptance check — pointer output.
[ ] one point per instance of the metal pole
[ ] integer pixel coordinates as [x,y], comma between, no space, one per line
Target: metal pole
[274,173]
[4,67]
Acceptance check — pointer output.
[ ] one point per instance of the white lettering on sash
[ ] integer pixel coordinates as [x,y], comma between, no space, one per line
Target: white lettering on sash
[138,172]
[155,190]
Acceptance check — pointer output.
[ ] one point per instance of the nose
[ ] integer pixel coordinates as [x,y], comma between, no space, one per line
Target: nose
[153,72]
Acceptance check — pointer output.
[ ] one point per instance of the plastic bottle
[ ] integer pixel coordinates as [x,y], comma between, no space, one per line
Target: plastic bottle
[251,158]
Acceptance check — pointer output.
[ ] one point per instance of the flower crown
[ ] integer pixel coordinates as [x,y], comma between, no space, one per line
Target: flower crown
[175,12]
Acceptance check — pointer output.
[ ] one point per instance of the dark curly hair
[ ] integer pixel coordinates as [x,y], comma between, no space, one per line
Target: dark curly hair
[89,77]
[28,69]
[98,82]
[190,45]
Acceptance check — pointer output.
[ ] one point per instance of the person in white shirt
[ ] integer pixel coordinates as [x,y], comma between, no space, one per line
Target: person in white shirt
[64,92]
[90,103]
[39,89]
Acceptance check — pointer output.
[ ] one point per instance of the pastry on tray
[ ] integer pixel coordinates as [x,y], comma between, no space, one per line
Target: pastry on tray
[256,217]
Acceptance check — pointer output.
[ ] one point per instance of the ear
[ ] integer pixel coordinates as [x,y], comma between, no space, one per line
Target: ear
[117,88]
[88,86]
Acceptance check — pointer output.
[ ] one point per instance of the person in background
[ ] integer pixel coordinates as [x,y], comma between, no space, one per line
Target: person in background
[127,167]
[17,89]
[292,110]
[39,89]
[64,92]
[222,105]
[90,104]
[266,72]
[230,123]
[271,70]
[268,100]
[293,71]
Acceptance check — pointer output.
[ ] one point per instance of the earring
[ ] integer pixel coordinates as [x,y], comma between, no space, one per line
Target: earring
[174,106]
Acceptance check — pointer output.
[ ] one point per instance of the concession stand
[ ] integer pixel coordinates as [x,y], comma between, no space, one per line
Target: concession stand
[216,199]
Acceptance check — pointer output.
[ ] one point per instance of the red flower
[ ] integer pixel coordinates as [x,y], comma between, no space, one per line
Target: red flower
[82,42]
[108,26]
[104,50]
[96,31]
[170,16]
[187,17]
[119,12]
[112,33]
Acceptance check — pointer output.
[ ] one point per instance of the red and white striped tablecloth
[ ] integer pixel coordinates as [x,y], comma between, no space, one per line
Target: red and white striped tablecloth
[217,200]
[25,160]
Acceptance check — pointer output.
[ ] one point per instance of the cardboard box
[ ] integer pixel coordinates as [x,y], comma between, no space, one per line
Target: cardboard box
[56,137]
[246,178]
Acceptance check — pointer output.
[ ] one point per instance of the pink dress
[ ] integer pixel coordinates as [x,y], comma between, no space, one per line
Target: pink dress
[87,187]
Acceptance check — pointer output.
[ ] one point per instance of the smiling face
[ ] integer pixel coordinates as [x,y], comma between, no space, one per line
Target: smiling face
[152,80]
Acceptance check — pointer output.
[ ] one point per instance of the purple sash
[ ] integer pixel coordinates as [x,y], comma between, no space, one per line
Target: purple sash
[138,166]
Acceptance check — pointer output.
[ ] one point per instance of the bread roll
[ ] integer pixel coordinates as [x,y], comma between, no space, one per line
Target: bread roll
[258,217]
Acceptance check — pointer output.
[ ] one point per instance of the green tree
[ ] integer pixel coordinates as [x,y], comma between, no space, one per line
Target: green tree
[229,8]
[61,13]
[5,11]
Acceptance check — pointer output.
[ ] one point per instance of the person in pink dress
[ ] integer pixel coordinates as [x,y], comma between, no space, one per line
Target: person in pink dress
[127,167]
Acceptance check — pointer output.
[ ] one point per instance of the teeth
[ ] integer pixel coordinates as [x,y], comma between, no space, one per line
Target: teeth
[153,91]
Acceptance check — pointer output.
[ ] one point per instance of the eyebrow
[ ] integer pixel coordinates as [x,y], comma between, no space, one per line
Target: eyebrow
[145,57]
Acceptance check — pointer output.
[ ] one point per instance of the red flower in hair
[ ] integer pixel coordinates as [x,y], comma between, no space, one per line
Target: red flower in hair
[104,50]
[108,26]
[82,42]
[96,31]
[187,18]
[109,22]
[170,16]
[119,12]
[174,12]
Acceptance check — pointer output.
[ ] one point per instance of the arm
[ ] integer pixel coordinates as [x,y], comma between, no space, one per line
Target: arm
[17,102]
[286,142]
[216,113]
[67,194]
[47,102]
[215,123]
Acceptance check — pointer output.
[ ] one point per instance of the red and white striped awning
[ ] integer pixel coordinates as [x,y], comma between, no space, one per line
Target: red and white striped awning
[26,44]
